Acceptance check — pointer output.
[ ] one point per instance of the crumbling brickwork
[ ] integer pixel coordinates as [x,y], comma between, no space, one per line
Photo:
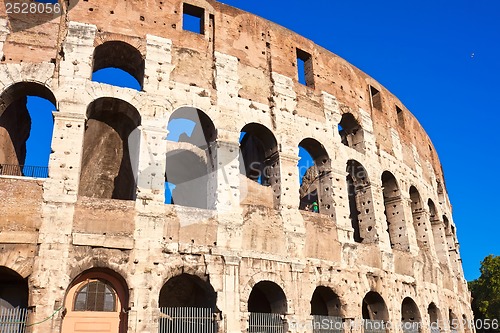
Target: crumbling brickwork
[382,245]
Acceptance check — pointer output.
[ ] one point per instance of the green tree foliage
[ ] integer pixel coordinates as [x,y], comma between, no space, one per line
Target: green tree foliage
[486,290]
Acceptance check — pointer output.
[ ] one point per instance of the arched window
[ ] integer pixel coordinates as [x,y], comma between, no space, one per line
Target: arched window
[410,316]
[13,289]
[95,295]
[119,64]
[419,221]
[361,209]
[434,318]
[110,150]
[351,133]
[259,151]
[394,212]
[374,312]
[190,177]
[26,126]
[315,184]
[97,299]
[325,302]
[187,296]
[438,233]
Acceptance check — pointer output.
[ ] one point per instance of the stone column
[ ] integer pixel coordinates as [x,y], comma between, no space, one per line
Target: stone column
[50,279]
[230,192]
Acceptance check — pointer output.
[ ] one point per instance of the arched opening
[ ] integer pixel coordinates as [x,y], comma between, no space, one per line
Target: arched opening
[438,233]
[325,302]
[187,304]
[14,294]
[315,184]
[351,133]
[418,214]
[97,300]
[453,322]
[110,150]
[434,318]
[394,213]
[190,179]
[26,127]
[467,325]
[374,312]
[266,303]
[259,150]
[326,309]
[187,290]
[118,63]
[410,316]
[13,289]
[359,194]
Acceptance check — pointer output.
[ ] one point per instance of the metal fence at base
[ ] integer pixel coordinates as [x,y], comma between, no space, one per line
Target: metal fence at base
[265,323]
[186,320]
[13,320]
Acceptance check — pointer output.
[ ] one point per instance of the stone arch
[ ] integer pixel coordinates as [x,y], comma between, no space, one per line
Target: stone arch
[122,55]
[110,155]
[267,297]
[326,302]
[373,307]
[187,290]
[410,311]
[191,159]
[316,182]
[394,212]
[419,217]
[259,151]
[438,232]
[78,308]
[453,321]
[256,278]
[360,197]
[16,126]
[14,290]
[435,318]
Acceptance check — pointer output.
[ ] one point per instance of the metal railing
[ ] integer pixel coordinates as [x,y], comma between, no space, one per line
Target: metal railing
[327,324]
[24,171]
[374,326]
[186,320]
[265,323]
[13,320]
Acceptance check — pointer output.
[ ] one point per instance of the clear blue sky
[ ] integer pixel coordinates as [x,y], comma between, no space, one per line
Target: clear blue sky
[442,59]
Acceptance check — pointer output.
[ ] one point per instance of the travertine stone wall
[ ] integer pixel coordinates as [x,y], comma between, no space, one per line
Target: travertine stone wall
[241,70]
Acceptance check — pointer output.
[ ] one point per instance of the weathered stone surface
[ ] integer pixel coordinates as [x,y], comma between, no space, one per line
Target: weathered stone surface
[102,210]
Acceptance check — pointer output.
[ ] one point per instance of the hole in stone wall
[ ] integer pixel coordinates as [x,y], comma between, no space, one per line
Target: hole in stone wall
[193,19]
[376,98]
[401,116]
[305,68]
[351,133]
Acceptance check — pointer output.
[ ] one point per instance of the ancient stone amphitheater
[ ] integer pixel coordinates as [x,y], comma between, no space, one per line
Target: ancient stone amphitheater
[220,228]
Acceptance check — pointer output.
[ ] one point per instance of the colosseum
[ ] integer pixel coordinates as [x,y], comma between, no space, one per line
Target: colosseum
[183,205]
